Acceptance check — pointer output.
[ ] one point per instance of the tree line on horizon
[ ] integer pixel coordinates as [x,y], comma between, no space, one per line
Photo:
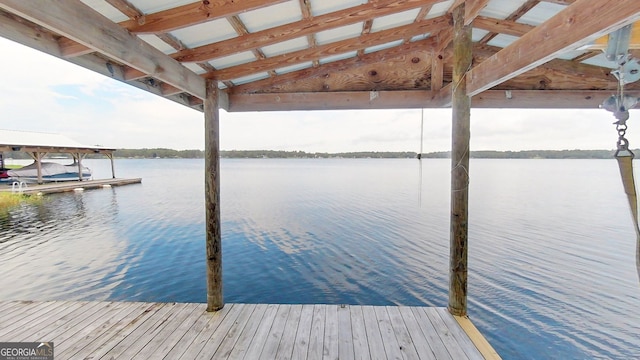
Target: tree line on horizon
[163,153]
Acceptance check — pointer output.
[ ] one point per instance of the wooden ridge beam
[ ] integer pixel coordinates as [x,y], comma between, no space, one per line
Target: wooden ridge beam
[298,29]
[192,14]
[334,48]
[78,22]
[567,30]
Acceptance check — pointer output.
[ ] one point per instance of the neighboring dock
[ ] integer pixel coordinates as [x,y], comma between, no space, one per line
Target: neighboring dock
[135,330]
[49,188]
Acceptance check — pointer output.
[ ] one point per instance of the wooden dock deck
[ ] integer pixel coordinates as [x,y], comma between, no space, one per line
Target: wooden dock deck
[135,330]
[57,187]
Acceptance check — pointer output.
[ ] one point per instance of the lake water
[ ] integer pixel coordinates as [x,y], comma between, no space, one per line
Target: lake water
[552,270]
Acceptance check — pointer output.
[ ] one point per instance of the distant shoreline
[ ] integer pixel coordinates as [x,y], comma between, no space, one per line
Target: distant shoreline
[160,153]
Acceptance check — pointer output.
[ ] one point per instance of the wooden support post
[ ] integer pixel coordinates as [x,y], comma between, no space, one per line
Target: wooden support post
[113,169]
[461,110]
[79,158]
[215,299]
[37,157]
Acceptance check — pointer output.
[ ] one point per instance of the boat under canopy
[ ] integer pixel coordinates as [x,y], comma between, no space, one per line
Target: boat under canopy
[50,172]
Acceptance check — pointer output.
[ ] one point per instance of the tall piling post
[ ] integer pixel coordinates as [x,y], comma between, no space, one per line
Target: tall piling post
[215,299]
[461,115]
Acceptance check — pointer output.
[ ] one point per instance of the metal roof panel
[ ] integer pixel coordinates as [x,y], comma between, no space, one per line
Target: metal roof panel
[29,138]
[540,13]
[271,16]
[502,40]
[157,43]
[153,6]
[338,57]
[477,34]
[233,60]
[394,20]
[250,78]
[383,46]
[106,10]
[296,67]
[439,9]
[337,34]
[501,9]
[284,47]
[205,33]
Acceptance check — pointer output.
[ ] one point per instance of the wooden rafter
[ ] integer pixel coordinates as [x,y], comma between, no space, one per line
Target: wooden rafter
[127,8]
[95,31]
[305,8]
[298,29]
[192,14]
[496,26]
[567,30]
[366,29]
[338,47]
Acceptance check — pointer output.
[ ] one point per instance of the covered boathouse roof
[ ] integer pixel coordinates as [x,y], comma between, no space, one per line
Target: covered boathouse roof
[12,140]
[335,54]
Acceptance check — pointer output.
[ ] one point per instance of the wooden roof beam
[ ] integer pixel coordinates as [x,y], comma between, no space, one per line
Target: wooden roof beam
[339,47]
[416,99]
[569,29]
[298,29]
[341,65]
[192,14]
[78,22]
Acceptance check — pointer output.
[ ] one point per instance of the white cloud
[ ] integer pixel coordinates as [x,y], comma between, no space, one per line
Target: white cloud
[42,93]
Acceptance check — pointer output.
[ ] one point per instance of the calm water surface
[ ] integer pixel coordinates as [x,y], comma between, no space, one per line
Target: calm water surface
[552,272]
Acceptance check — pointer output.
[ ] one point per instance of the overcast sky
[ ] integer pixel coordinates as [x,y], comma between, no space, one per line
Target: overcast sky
[42,93]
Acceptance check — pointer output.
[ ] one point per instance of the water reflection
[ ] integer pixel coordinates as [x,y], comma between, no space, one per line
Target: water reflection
[59,248]
[552,272]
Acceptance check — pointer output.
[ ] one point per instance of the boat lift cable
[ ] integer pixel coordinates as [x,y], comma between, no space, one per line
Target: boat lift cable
[628,71]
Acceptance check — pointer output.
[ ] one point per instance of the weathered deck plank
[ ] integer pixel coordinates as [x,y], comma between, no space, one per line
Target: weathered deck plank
[301,345]
[359,333]
[249,331]
[106,330]
[95,334]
